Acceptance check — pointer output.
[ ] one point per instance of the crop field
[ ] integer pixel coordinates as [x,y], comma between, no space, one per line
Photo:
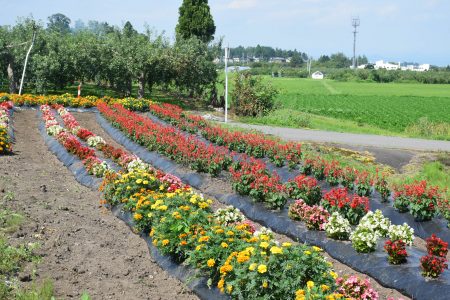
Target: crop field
[391,108]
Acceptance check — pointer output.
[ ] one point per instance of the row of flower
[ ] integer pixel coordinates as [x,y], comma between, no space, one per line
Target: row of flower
[93,164]
[335,212]
[5,139]
[72,101]
[421,200]
[223,245]
[240,261]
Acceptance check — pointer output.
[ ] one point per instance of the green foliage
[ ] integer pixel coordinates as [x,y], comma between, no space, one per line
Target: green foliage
[10,221]
[44,291]
[251,97]
[58,23]
[195,20]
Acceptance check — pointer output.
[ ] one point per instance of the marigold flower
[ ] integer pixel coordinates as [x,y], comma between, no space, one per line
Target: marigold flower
[265,284]
[165,242]
[224,245]
[286,244]
[211,262]
[310,284]
[252,267]
[264,245]
[262,269]
[276,250]
[137,216]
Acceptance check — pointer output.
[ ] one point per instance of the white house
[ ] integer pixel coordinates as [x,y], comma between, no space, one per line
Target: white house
[317,75]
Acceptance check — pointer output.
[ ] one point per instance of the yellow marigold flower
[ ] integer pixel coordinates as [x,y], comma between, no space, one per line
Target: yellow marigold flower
[183,243]
[317,249]
[264,237]
[262,269]
[161,187]
[224,245]
[139,181]
[265,284]
[198,248]
[307,252]
[209,201]
[162,208]
[145,182]
[250,250]
[211,262]
[276,250]
[165,242]
[252,267]
[225,269]
[310,284]
[230,233]
[333,274]
[219,231]
[155,242]
[229,288]
[286,244]
[300,295]
[263,253]
[203,239]
[231,240]
[152,232]
[242,257]
[220,284]
[264,245]
[324,287]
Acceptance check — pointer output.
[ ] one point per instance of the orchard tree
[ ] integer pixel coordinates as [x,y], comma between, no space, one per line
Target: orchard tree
[58,23]
[195,20]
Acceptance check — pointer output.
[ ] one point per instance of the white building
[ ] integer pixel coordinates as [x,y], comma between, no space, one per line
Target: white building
[317,75]
[417,68]
[386,65]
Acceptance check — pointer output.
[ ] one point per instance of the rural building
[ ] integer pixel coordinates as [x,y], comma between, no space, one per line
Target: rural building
[317,75]
[386,65]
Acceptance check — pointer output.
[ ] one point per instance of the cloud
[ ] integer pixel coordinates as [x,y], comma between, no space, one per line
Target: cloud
[242,4]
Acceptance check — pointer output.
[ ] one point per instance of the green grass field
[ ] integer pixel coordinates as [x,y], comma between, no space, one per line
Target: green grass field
[361,107]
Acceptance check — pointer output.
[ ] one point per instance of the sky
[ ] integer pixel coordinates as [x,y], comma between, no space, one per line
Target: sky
[393,30]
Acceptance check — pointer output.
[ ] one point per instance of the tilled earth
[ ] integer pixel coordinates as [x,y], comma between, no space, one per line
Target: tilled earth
[84,247]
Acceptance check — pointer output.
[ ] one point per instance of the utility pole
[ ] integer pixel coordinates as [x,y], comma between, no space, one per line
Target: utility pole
[355,24]
[226,83]
[26,59]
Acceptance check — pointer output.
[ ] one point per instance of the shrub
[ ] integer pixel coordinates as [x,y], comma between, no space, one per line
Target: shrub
[338,227]
[432,266]
[353,209]
[305,188]
[401,232]
[364,239]
[251,96]
[436,246]
[376,222]
[355,288]
[396,251]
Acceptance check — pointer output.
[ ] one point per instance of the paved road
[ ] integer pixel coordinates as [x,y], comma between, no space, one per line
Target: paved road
[350,138]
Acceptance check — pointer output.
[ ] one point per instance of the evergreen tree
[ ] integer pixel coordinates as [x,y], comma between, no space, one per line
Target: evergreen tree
[195,20]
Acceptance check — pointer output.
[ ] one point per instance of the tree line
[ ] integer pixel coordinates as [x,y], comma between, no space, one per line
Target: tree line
[112,56]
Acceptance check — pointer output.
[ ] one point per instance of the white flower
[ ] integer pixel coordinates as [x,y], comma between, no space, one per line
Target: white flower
[54,130]
[401,232]
[228,215]
[376,222]
[338,227]
[93,141]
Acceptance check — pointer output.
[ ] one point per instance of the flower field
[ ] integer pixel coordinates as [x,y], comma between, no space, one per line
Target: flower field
[237,256]
[5,138]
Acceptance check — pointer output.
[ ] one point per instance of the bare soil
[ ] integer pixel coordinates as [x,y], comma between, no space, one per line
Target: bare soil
[84,247]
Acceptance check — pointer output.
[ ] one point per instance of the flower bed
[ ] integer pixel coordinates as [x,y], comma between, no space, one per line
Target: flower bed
[5,138]
[72,101]
[279,222]
[93,164]
[240,263]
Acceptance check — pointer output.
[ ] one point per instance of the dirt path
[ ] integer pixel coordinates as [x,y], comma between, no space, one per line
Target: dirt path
[85,248]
